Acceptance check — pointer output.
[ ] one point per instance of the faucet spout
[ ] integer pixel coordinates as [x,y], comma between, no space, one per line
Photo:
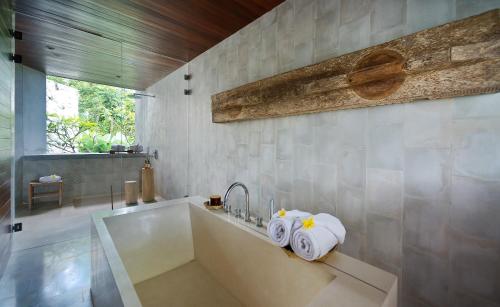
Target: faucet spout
[227,208]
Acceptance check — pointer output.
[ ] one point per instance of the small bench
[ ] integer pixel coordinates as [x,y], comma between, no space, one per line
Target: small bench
[33,194]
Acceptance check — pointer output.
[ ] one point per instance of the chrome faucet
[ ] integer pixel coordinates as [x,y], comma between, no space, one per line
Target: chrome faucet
[227,208]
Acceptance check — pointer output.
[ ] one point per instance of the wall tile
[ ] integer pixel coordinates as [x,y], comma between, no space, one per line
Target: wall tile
[425,225]
[284,175]
[243,55]
[428,124]
[284,144]
[303,27]
[352,127]
[475,268]
[477,148]
[424,14]
[267,191]
[386,115]
[304,54]
[354,35]
[351,10]
[268,19]
[477,106]
[427,172]
[302,128]
[388,34]
[285,21]
[385,147]
[268,67]
[267,159]
[425,277]
[302,162]
[269,41]
[351,208]
[354,245]
[474,207]
[384,192]
[283,200]
[325,187]
[387,14]
[327,35]
[326,7]
[253,170]
[352,168]
[326,148]
[466,8]
[302,194]
[254,144]
[383,240]
[267,132]
[286,54]
[328,120]
[83,177]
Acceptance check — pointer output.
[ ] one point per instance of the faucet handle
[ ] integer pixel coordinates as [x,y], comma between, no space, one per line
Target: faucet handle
[259,222]
[237,213]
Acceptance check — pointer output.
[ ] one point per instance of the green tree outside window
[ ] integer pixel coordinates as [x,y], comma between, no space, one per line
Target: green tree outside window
[106,116]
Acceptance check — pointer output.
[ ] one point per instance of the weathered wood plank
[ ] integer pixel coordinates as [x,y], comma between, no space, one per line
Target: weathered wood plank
[456,59]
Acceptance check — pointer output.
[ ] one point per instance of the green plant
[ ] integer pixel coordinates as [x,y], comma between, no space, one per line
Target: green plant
[64,133]
[93,143]
[111,110]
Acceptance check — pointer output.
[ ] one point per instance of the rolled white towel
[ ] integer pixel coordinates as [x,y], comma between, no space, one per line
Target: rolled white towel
[48,179]
[317,236]
[282,225]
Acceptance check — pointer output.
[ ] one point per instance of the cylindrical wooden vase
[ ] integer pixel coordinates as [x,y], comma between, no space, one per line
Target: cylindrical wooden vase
[130,193]
[148,184]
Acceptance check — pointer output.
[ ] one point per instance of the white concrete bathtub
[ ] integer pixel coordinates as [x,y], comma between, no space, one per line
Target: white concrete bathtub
[177,253]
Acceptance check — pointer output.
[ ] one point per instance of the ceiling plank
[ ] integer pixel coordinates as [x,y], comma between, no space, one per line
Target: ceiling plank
[140,41]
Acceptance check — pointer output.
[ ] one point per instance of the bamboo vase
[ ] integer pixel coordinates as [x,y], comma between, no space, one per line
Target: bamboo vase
[148,185]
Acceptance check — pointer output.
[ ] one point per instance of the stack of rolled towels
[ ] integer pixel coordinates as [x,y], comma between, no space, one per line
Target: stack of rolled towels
[310,236]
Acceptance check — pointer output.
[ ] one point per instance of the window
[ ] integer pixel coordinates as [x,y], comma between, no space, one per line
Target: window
[88,117]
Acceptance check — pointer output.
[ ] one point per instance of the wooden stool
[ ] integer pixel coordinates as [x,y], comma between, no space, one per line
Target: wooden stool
[32,194]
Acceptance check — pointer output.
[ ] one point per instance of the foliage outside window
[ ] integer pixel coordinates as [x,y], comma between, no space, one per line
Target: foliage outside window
[104,116]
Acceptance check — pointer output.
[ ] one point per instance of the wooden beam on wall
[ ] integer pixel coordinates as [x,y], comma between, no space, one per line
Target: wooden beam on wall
[456,59]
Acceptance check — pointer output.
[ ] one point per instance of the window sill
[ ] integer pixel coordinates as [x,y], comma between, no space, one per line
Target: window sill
[70,156]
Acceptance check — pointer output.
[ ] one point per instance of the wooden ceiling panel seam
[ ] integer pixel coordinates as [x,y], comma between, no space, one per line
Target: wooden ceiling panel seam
[57,65]
[220,31]
[26,45]
[145,45]
[179,28]
[111,31]
[126,43]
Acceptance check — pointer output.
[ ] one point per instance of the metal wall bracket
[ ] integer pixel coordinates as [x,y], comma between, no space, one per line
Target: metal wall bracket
[16,227]
[187,92]
[16,58]
[187,77]
[16,34]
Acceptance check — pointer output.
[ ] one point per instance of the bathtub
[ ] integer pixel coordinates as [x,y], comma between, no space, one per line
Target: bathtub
[178,253]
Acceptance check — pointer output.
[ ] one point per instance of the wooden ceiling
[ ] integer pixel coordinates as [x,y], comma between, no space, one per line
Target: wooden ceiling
[125,43]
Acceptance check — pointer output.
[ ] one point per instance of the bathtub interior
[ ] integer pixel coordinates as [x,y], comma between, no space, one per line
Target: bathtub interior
[183,255]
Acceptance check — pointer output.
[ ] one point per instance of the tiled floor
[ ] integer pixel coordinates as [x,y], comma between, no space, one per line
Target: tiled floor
[50,261]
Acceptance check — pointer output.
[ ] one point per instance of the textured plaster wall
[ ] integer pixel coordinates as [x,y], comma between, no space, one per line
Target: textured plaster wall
[30,120]
[417,185]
